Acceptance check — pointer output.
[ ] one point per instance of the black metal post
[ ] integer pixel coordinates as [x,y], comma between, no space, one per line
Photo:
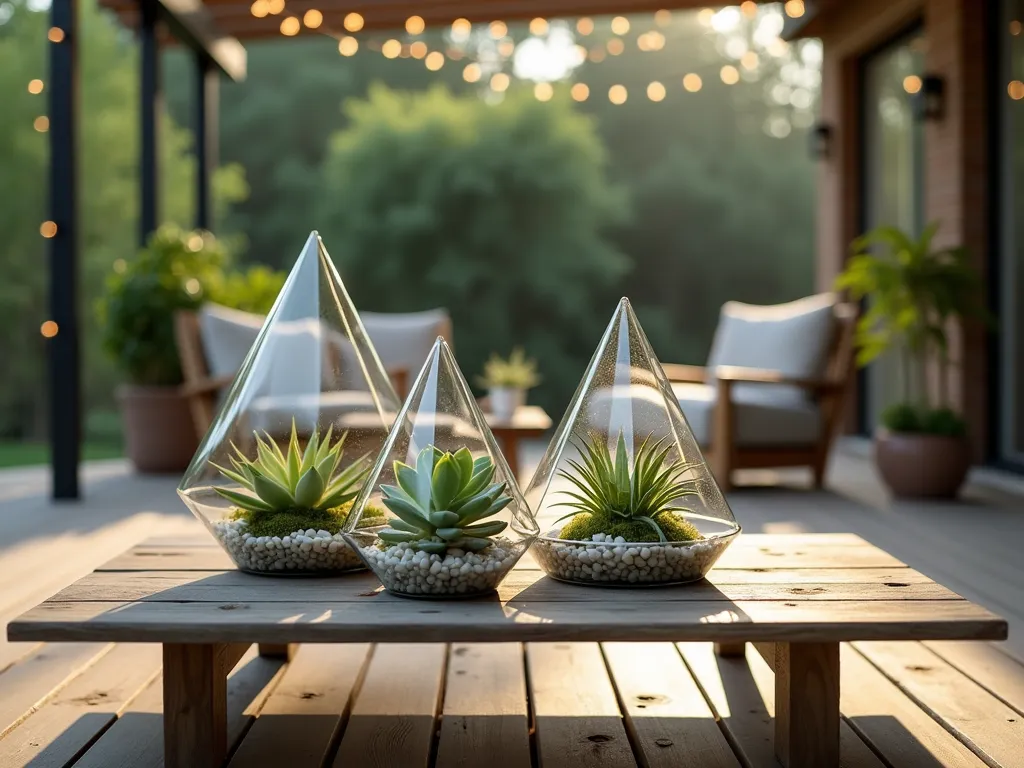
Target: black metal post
[207,136]
[150,105]
[65,399]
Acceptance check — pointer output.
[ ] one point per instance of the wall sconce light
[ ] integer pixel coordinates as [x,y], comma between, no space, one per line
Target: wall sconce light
[929,103]
[821,141]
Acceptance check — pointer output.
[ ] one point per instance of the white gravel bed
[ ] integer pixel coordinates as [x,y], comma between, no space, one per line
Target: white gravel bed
[615,562]
[457,573]
[308,551]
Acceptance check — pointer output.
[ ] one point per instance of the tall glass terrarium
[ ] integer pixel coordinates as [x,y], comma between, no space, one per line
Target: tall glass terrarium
[456,520]
[276,475]
[623,493]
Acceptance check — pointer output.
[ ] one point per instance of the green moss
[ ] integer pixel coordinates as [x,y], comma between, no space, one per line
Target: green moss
[286,522]
[584,525]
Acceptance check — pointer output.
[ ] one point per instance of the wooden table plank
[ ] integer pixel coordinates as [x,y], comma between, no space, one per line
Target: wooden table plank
[669,722]
[394,715]
[300,719]
[485,721]
[487,620]
[575,712]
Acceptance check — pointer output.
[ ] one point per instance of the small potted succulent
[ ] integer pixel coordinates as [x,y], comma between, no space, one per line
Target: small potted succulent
[442,540]
[628,524]
[289,506]
[507,380]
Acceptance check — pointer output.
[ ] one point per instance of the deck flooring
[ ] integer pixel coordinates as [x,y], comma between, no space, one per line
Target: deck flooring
[653,704]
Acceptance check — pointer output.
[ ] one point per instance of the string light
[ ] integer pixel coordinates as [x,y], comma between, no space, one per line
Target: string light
[730,75]
[48,329]
[290,26]
[418,49]
[911,83]
[348,45]
[454,54]
[749,60]
[461,27]
[543,91]
[434,61]
[615,46]
[1015,27]
[498,29]
[794,8]
[655,91]
[692,82]
[506,48]
[353,22]
[778,47]
[663,18]
[471,73]
[41,124]
[581,51]
[539,27]
[500,82]
[313,18]
[585,26]
[259,8]
[391,48]
[1015,90]
[415,25]
[275,7]
[55,35]
[48,229]
[580,92]
[705,16]
[35,86]
[597,55]
[748,8]
[651,41]
[620,25]
[617,94]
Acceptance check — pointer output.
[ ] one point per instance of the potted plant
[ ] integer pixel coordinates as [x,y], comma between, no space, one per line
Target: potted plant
[628,526]
[442,540]
[177,270]
[507,380]
[288,506]
[914,293]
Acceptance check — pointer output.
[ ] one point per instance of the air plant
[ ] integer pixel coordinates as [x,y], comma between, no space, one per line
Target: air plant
[296,479]
[440,502]
[612,494]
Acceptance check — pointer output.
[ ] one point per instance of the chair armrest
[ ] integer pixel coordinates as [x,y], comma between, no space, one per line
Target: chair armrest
[735,373]
[689,374]
[206,386]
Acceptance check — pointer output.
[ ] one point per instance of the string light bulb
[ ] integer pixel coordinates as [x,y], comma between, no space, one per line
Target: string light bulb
[259,8]
[730,75]
[749,60]
[48,229]
[617,94]
[55,35]
[415,25]
[538,27]
[434,61]
[656,91]
[500,82]
[692,82]
[348,45]
[585,26]
[794,8]
[615,46]
[748,8]
[663,18]
[461,28]
[498,29]
[1015,90]
[620,25]
[391,49]
[35,86]
[912,84]
[48,329]
[313,18]
[41,124]
[543,91]
[579,92]
[418,50]
[290,26]
[274,7]
[471,73]
[353,22]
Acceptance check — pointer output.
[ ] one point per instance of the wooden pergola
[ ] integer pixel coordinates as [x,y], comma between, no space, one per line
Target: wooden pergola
[213,31]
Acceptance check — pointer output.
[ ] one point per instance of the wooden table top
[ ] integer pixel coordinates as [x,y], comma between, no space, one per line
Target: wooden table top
[788,588]
[527,419]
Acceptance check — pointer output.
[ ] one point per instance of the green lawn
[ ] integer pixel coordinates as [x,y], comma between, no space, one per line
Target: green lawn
[13,454]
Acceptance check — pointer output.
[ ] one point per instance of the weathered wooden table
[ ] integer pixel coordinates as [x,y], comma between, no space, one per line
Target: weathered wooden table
[529,421]
[795,597]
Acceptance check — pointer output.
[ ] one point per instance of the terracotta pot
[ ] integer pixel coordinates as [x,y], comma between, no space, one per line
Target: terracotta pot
[921,466]
[158,432]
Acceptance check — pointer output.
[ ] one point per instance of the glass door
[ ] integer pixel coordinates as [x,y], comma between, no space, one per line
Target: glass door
[893,165]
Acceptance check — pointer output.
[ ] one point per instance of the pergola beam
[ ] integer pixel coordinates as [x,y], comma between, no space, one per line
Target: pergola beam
[207,136]
[191,23]
[151,103]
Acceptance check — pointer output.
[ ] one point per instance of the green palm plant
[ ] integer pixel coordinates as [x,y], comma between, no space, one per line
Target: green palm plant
[296,479]
[610,496]
[440,502]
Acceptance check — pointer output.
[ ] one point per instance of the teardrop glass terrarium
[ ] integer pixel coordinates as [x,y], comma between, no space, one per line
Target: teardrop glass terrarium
[456,520]
[623,492]
[297,432]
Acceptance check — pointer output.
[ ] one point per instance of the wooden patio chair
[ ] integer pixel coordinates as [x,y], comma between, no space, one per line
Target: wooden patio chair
[749,407]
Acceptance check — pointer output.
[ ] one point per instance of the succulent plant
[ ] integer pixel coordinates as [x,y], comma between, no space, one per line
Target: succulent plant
[632,500]
[517,371]
[293,480]
[440,502]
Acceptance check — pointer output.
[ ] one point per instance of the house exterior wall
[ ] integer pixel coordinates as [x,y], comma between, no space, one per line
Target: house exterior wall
[956,173]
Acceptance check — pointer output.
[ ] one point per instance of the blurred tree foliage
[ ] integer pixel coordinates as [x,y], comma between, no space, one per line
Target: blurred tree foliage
[108,207]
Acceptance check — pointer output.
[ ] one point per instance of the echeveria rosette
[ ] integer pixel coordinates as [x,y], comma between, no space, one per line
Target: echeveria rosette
[440,503]
[607,489]
[296,479]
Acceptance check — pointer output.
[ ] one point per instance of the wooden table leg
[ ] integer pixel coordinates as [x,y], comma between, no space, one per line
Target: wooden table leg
[509,443]
[277,650]
[807,705]
[195,704]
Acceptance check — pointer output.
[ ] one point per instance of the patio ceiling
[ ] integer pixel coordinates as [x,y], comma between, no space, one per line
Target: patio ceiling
[235,18]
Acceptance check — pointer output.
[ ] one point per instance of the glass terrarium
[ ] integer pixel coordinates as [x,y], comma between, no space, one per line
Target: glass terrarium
[456,519]
[623,493]
[277,473]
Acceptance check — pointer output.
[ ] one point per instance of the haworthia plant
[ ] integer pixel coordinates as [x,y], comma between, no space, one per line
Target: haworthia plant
[440,503]
[293,480]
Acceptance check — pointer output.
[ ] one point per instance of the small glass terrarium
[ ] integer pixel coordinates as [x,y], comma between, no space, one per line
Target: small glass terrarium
[623,493]
[277,473]
[456,521]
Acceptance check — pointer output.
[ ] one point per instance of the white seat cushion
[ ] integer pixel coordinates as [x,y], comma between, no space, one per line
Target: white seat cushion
[792,339]
[761,419]
[404,340]
[273,413]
